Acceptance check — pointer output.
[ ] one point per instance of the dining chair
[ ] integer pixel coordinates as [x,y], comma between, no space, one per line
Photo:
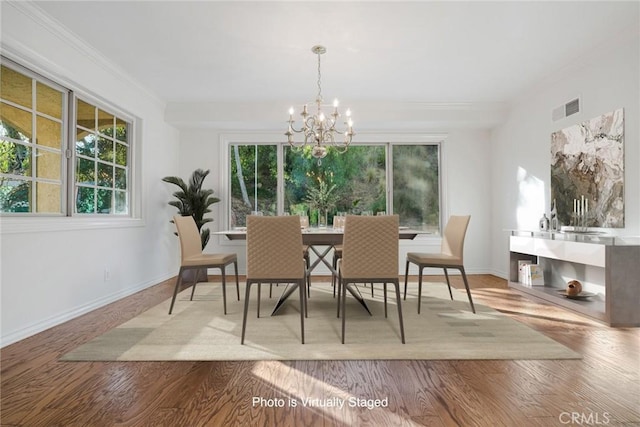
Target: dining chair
[304,223]
[192,258]
[274,248]
[369,254]
[450,256]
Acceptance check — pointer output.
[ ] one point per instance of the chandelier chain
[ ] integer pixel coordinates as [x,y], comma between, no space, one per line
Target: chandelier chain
[319,81]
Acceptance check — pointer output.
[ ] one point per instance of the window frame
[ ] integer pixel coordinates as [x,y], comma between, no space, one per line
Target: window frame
[68,219]
[372,138]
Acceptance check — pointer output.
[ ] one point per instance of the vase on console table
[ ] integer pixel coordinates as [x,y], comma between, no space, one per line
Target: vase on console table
[553,217]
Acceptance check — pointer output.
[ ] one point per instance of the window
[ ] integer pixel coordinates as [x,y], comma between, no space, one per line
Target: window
[101,166]
[60,153]
[31,145]
[398,178]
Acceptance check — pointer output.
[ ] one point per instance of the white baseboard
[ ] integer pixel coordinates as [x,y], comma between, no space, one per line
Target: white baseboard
[45,324]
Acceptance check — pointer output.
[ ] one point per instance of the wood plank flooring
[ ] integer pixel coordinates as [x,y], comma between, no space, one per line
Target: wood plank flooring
[601,389]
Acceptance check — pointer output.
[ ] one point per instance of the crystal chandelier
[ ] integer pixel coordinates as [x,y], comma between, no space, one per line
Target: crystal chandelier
[318,129]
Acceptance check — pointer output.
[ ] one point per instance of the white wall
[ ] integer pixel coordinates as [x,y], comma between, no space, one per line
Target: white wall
[466,160]
[53,268]
[609,78]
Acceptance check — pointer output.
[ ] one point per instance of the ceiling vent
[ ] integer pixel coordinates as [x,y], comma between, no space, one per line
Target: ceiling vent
[566,110]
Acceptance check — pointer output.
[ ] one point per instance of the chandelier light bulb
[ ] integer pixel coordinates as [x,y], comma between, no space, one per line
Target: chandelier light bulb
[335,103]
[291,110]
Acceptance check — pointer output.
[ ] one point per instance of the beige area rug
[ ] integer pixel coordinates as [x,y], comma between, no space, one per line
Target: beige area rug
[197,330]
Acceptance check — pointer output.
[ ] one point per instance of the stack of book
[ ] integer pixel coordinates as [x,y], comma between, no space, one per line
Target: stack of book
[530,274]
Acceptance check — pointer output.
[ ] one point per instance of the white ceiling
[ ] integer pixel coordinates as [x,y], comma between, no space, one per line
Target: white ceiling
[426,52]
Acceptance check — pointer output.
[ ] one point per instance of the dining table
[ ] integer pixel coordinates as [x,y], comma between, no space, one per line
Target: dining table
[320,240]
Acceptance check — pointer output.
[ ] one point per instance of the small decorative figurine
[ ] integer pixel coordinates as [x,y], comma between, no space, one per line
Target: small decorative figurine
[544,223]
[553,220]
[574,288]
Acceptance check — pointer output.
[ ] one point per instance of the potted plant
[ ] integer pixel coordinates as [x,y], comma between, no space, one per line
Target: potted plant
[193,200]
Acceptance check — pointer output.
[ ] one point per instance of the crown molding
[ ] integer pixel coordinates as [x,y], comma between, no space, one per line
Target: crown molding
[55,28]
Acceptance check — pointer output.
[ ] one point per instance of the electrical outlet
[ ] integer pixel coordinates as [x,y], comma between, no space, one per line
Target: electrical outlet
[107,274]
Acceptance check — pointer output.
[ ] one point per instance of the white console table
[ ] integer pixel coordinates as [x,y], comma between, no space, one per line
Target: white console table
[608,266]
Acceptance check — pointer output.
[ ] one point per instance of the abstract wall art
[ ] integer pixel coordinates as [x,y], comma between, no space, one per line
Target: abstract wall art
[587,161]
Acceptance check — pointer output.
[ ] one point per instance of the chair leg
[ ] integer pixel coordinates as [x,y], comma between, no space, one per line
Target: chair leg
[224,288]
[339,294]
[259,291]
[334,263]
[246,310]
[175,291]
[306,305]
[399,311]
[303,290]
[343,288]
[446,275]
[406,275]
[308,278]
[384,289]
[421,269]
[235,269]
[195,282]
[371,289]
[466,285]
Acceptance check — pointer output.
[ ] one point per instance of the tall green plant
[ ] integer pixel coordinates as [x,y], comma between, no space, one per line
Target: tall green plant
[193,200]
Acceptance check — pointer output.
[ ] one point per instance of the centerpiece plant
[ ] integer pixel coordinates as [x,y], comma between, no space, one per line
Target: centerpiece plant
[322,198]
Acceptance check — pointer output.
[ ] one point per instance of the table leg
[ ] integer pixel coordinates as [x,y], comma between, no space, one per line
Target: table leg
[321,258]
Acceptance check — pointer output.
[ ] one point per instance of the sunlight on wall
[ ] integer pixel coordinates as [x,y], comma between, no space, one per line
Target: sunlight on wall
[531,200]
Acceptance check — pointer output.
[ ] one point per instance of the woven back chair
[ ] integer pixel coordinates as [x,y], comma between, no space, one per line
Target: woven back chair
[451,256]
[192,258]
[274,255]
[369,254]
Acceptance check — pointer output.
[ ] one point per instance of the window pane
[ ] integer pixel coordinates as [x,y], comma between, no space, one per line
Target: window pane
[105,149]
[48,133]
[16,87]
[85,171]
[48,198]
[416,189]
[121,130]
[86,115]
[352,182]
[15,123]
[85,143]
[48,165]
[105,175]
[105,123]
[15,159]
[104,201]
[121,202]
[121,178]
[121,154]
[253,181]
[85,200]
[49,100]
[15,195]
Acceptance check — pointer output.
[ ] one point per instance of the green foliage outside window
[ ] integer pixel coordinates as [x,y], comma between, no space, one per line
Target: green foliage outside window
[351,182]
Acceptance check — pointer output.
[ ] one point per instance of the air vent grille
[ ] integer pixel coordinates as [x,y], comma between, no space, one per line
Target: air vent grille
[566,110]
[572,107]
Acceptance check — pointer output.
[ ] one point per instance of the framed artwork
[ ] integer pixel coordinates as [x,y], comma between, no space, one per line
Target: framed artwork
[587,163]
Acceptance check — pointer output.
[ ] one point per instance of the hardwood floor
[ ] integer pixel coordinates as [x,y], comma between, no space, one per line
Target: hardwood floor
[601,389]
